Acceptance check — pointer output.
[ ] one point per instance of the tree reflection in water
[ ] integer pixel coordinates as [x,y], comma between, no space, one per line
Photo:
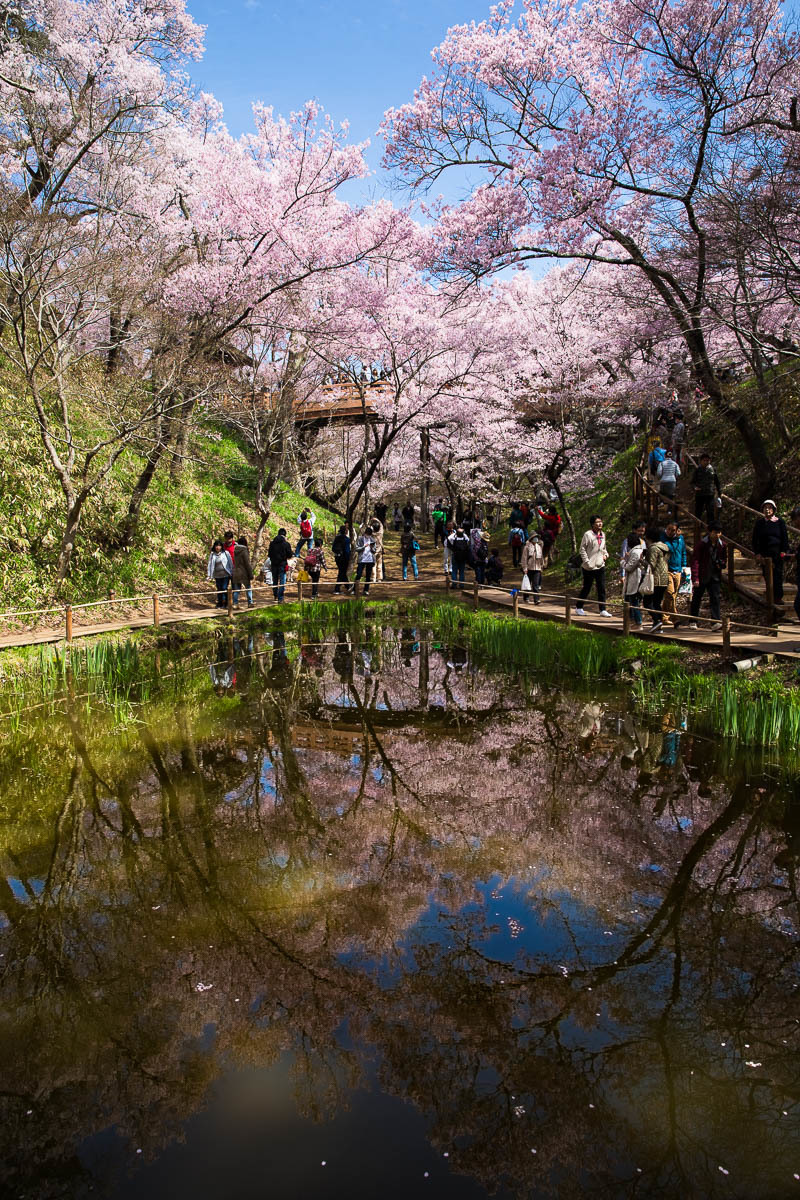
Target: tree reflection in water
[553,926]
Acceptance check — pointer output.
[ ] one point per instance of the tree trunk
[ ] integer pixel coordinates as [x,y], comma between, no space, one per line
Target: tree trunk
[182,425]
[68,538]
[130,525]
[564,508]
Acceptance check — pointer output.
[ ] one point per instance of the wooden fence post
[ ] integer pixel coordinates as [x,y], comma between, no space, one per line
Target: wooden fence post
[356,585]
[300,590]
[726,636]
[515,604]
[731,567]
[68,621]
[626,617]
[230,600]
[567,608]
[769,582]
[156,618]
[475,596]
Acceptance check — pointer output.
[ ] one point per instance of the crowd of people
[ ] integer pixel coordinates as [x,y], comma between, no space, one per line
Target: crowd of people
[655,564]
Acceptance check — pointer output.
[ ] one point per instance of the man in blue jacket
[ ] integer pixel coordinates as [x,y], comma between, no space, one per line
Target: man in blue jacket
[677,560]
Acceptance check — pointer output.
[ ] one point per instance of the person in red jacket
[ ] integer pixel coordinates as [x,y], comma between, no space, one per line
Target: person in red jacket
[229,544]
[552,527]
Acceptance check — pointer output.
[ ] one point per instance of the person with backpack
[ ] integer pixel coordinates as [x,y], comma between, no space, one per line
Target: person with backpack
[677,559]
[516,540]
[279,552]
[656,457]
[633,565]
[593,555]
[657,576]
[771,543]
[365,550]
[480,556]
[408,551]
[341,556]
[705,483]
[459,556]
[242,572]
[708,561]
[532,564]
[314,562]
[494,568]
[220,570]
[306,527]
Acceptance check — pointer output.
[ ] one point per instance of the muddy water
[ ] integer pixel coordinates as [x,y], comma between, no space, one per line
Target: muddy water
[358,918]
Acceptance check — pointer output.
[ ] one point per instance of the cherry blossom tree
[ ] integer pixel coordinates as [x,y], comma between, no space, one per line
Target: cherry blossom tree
[601,129]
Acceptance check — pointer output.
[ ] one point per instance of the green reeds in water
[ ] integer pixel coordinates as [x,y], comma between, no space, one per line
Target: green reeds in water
[756,712]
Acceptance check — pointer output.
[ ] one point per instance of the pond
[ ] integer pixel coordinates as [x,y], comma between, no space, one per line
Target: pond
[348,914]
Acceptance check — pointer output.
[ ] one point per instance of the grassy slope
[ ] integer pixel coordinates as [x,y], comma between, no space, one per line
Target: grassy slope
[178,521]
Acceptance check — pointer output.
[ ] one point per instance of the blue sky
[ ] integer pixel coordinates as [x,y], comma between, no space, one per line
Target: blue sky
[356,58]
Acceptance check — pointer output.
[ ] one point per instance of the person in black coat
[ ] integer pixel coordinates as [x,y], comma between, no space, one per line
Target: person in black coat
[341,549]
[279,553]
[771,542]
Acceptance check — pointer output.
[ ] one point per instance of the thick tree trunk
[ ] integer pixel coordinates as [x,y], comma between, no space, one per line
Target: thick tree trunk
[182,425]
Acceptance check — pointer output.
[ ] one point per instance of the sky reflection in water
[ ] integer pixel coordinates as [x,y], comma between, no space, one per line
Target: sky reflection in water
[362,904]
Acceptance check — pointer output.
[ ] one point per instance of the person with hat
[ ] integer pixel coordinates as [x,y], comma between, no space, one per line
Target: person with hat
[771,543]
[532,565]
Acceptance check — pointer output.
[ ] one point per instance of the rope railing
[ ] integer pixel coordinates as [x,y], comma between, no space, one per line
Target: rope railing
[308,589]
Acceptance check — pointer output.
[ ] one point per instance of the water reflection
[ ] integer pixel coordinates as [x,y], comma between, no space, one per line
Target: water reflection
[547,940]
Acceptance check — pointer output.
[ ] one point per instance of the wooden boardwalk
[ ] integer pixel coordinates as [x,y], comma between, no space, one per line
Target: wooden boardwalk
[744,643]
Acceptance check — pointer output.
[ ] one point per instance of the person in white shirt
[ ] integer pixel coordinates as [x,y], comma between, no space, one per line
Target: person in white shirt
[594,553]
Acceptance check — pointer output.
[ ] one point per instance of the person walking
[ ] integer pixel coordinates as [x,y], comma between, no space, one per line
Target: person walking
[551,523]
[305,523]
[707,564]
[638,539]
[655,458]
[677,559]
[381,511]
[633,564]
[365,550]
[340,548]
[438,518]
[408,551]
[242,572]
[480,557]
[459,556]
[657,559]
[377,538]
[229,543]
[397,518]
[516,540]
[705,483]
[594,552]
[668,474]
[220,570]
[279,552]
[771,544]
[314,562]
[408,513]
[796,519]
[678,439]
[532,564]
[447,555]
